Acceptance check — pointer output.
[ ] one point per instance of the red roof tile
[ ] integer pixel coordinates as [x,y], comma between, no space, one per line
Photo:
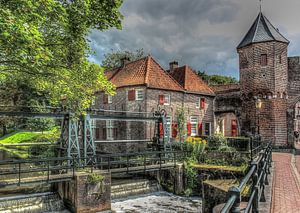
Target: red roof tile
[190,81]
[145,71]
[225,88]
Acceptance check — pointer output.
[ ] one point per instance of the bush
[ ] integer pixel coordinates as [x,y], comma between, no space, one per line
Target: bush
[216,141]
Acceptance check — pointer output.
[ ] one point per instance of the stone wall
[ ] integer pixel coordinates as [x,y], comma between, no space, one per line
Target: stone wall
[80,196]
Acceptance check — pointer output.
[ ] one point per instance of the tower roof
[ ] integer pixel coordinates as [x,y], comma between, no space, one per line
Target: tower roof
[261,31]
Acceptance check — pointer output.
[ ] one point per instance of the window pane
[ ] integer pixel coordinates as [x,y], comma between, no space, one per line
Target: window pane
[139,95]
[194,126]
[168,126]
[207,128]
[198,103]
[167,99]
[109,99]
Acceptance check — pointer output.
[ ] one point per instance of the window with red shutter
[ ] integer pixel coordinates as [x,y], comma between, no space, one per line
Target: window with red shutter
[161,130]
[189,129]
[174,130]
[199,129]
[161,99]
[131,95]
[202,103]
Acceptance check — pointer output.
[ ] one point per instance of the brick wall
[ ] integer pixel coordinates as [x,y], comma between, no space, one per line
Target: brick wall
[269,83]
[293,96]
[146,130]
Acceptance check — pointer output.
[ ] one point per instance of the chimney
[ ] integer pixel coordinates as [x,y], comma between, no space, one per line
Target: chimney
[125,60]
[173,65]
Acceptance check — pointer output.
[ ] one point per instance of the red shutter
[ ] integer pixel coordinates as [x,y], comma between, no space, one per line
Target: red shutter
[105,98]
[131,95]
[174,130]
[189,129]
[161,99]
[233,128]
[200,129]
[202,103]
[161,130]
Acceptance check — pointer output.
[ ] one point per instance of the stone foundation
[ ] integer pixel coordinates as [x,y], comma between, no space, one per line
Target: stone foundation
[80,196]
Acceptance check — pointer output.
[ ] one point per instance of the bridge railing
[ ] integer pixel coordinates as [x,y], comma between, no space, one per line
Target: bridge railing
[17,172]
[257,177]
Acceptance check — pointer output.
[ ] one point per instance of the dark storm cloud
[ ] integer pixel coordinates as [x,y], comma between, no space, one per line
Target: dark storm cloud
[201,33]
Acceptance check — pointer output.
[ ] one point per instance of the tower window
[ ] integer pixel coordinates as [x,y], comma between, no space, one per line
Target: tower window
[263,60]
[280,59]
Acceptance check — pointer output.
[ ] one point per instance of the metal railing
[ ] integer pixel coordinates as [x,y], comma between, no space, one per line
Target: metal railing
[17,172]
[257,177]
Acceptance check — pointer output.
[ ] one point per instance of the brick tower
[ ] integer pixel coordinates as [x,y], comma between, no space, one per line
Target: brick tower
[264,77]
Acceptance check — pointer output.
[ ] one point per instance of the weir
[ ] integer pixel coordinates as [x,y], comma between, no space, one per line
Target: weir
[33,203]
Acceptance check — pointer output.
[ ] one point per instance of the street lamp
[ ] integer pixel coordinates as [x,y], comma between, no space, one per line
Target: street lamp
[258,105]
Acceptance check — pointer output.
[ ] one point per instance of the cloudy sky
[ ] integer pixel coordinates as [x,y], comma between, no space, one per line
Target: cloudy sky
[201,33]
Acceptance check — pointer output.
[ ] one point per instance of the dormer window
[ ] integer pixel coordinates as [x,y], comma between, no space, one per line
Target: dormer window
[263,60]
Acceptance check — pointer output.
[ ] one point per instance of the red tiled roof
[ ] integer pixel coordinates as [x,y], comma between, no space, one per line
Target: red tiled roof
[190,81]
[225,88]
[145,71]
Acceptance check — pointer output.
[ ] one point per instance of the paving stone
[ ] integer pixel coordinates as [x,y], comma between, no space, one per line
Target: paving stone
[286,190]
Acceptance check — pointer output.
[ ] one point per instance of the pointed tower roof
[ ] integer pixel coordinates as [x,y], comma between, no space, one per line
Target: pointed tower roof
[261,31]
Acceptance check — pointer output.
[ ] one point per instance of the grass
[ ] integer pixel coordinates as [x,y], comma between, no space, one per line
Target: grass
[28,139]
[240,169]
[16,152]
[31,137]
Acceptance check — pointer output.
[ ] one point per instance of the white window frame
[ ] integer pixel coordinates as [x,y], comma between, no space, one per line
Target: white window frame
[167,103]
[109,130]
[209,128]
[194,120]
[109,99]
[137,93]
[169,126]
[198,103]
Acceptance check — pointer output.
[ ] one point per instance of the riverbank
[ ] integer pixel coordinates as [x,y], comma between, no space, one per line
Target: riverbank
[156,203]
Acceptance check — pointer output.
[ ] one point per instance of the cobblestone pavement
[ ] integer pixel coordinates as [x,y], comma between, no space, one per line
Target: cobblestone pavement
[286,186]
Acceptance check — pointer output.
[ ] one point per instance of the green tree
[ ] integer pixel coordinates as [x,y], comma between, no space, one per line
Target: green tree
[181,121]
[44,42]
[217,79]
[113,59]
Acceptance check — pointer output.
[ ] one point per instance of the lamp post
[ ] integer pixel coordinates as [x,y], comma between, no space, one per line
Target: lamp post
[258,105]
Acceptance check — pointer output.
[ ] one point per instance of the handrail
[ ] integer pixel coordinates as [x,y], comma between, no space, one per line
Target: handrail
[258,172]
[139,162]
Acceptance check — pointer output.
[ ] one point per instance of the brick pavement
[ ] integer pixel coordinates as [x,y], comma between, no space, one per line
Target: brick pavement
[286,186]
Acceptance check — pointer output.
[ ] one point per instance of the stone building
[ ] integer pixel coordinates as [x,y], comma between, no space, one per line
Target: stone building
[144,86]
[266,102]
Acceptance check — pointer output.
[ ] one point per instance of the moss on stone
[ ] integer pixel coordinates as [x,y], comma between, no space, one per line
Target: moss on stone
[240,169]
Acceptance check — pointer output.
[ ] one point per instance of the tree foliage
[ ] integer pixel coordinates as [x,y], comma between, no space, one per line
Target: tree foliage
[217,79]
[44,43]
[113,59]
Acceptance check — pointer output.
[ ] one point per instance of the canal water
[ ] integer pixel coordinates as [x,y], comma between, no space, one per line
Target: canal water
[158,202]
